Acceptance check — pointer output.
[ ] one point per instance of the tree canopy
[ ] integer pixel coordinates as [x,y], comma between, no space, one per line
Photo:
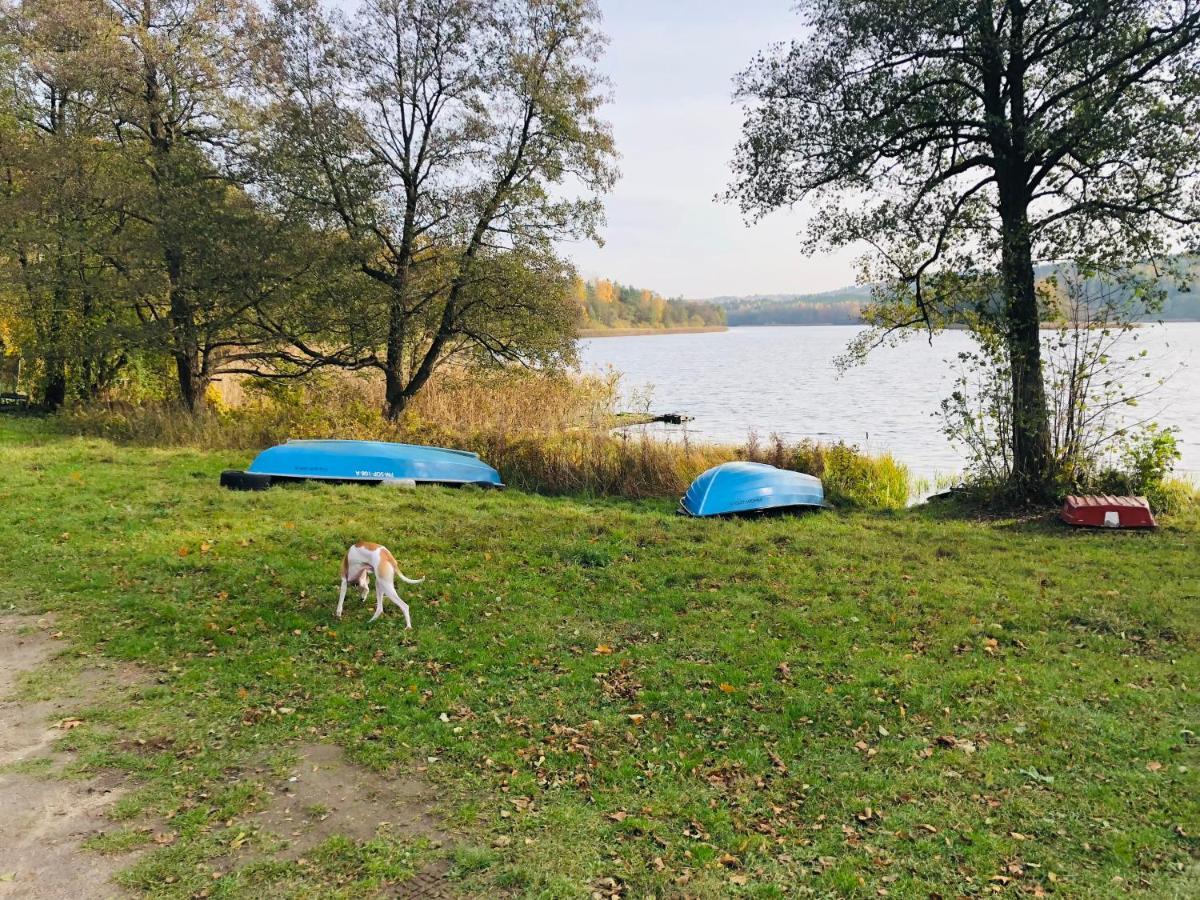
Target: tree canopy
[220,188]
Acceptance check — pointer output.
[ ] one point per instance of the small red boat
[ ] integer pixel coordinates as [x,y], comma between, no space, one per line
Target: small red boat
[1108,512]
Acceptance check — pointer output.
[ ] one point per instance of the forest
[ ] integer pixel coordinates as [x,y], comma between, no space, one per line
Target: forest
[191,191]
[605,304]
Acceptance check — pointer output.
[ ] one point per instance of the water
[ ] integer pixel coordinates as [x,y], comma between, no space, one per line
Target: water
[783,380]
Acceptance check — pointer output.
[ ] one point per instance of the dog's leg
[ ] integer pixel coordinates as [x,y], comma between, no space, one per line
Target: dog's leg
[364,584]
[342,597]
[390,590]
[378,598]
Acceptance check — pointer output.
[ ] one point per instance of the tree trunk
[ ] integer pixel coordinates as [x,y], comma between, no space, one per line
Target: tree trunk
[192,383]
[185,341]
[1031,456]
[55,393]
[395,392]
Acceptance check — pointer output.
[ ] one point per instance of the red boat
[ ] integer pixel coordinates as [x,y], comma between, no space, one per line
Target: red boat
[1108,512]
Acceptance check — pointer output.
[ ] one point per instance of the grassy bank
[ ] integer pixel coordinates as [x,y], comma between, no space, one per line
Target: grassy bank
[612,698]
[550,435]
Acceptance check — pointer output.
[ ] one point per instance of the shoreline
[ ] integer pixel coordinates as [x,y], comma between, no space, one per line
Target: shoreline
[646,332]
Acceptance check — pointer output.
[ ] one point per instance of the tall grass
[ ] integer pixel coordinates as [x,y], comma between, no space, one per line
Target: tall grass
[544,433]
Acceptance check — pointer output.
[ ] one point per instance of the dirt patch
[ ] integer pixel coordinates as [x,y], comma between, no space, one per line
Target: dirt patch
[46,820]
[323,795]
[431,883]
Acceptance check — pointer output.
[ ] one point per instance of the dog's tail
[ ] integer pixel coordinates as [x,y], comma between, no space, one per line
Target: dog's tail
[408,580]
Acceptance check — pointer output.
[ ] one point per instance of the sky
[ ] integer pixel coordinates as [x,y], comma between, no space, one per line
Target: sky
[672,63]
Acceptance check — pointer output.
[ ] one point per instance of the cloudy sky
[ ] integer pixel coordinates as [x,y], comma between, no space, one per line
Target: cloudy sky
[672,63]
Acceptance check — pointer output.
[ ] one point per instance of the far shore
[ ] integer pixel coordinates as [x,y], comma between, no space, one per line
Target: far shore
[637,332]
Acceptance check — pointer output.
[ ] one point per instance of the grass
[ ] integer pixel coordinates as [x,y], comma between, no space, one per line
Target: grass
[617,699]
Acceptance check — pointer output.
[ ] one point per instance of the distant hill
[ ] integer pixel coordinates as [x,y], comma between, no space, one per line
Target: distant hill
[844,306]
[840,307]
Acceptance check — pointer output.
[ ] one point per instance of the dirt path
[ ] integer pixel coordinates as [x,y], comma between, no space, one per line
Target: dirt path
[46,820]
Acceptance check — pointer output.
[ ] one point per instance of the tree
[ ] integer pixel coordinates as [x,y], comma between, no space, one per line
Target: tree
[179,104]
[55,231]
[445,144]
[966,139]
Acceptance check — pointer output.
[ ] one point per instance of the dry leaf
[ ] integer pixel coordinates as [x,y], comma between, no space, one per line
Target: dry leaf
[1153,766]
[602,650]
[739,878]
[165,837]
[68,724]
[726,687]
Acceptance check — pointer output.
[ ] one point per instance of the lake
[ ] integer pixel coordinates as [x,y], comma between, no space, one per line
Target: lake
[783,380]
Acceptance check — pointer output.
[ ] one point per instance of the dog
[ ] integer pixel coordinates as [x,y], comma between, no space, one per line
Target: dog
[361,560]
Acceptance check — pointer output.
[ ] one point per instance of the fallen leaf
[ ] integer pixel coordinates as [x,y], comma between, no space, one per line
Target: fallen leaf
[164,838]
[602,650]
[1153,766]
[68,724]
[1017,836]
[726,687]
[183,551]
[619,816]
[728,860]
[636,718]
[739,878]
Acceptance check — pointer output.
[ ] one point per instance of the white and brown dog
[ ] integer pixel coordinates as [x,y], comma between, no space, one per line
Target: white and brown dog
[359,562]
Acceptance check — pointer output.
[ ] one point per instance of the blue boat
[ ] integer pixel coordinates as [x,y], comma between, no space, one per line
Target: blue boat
[746,487]
[372,462]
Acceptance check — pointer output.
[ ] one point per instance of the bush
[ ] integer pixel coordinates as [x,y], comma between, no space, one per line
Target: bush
[1143,468]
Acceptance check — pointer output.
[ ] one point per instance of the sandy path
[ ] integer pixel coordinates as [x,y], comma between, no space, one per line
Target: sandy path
[45,820]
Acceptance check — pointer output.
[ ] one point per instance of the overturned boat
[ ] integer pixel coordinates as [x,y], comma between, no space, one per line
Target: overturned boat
[371,462]
[745,487]
[1104,511]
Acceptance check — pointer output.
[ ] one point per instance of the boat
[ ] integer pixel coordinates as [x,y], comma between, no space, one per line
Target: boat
[1103,511]
[746,487]
[370,462]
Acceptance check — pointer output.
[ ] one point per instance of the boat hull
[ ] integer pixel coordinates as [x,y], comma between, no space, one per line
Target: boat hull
[373,461]
[1108,512]
[745,488]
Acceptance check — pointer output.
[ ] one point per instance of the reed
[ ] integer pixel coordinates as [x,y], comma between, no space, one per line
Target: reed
[546,434]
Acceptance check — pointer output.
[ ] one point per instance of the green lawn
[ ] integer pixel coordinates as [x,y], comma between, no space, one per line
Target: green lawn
[838,704]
